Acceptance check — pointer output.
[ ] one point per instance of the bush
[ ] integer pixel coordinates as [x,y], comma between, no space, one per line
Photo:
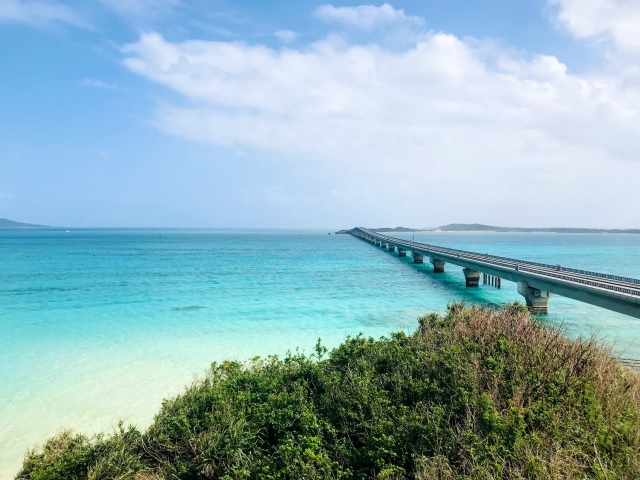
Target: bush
[476,393]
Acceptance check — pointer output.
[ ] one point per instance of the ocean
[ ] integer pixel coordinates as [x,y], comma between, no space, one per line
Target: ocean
[98,326]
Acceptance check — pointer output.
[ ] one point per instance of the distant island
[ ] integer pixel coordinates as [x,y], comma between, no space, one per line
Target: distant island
[396,229]
[478,227]
[6,223]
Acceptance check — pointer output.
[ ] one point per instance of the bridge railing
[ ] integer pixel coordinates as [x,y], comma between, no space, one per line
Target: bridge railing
[583,281]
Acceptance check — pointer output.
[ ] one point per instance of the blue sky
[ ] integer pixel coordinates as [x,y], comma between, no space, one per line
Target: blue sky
[296,114]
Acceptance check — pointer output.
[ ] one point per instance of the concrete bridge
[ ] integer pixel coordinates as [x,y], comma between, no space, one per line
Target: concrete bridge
[537,282]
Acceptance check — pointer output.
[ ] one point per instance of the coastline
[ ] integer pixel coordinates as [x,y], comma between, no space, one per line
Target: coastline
[92,315]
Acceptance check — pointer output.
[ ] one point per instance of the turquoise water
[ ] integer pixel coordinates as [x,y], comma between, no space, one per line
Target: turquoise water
[101,325]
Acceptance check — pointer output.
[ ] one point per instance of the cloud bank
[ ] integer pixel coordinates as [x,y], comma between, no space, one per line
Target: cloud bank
[92,82]
[141,8]
[437,123]
[617,19]
[40,13]
[286,36]
[366,17]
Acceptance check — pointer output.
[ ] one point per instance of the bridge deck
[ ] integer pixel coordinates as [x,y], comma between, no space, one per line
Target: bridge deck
[617,293]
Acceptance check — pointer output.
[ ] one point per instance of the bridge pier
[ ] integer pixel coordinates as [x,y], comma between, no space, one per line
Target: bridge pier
[383,244]
[417,257]
[472,278]
[377,242]
[537,300]
[402,252]
[438,265]
[392,248]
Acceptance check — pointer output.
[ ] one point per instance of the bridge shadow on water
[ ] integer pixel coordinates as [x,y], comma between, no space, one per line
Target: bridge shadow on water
[451,283]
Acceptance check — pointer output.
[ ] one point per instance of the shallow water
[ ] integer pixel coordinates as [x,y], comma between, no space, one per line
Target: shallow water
[101,325]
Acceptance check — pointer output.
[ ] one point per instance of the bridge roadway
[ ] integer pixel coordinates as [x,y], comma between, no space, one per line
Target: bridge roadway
[537,282]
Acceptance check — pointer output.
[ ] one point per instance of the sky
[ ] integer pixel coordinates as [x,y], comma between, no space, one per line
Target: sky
[303,114]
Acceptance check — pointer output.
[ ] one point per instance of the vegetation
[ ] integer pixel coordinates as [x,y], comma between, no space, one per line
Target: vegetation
[476,393]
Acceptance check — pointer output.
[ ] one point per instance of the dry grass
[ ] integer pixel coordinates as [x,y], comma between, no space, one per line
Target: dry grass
[569,367]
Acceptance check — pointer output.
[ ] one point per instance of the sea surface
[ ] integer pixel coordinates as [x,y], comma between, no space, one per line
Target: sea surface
[98,326]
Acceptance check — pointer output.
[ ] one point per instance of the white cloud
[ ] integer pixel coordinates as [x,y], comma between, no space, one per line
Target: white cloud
[90,82]
[434,126]
[40,13]
[286,36]
[366,17]
[616,19]
[142,8]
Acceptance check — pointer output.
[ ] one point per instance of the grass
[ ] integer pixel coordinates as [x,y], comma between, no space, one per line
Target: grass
[474,394]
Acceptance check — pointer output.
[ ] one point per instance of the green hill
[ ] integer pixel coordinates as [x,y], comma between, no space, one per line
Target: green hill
[475,394]
[6,223]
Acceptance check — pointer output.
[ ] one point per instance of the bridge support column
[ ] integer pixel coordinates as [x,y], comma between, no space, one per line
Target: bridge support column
[471,277]
[383,245]
[417,257]
[402,252]
[537,300]
[438,265]
[377,243]
[392,248]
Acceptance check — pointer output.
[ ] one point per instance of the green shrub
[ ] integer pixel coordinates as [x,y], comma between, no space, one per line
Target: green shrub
[477,394]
